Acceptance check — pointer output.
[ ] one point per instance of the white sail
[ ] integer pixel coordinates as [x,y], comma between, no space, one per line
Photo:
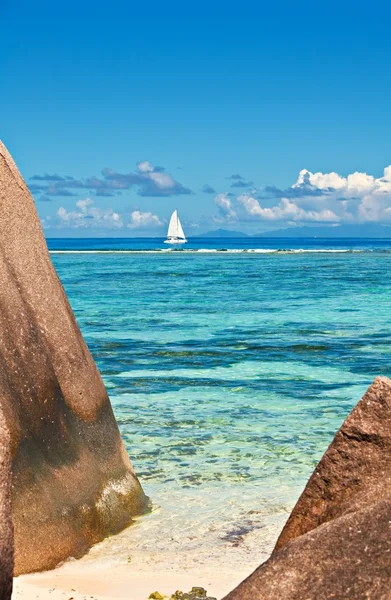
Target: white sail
[175,234]
[173,226]
[180,233]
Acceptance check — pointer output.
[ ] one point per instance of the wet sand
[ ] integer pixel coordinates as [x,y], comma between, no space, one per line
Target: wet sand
[106,573]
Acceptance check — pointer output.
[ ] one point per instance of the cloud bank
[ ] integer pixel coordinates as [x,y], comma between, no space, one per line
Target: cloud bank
[87,215]
[146,179]
[314,197]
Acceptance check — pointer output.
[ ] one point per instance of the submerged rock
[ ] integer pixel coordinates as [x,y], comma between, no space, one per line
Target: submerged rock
[337,542]
[73,483]
[196,593]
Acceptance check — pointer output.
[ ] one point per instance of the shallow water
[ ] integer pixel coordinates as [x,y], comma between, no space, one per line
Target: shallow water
[229,374]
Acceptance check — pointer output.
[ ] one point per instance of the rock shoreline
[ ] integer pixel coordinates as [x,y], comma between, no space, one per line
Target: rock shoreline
[336,545]
[66,481]
[64,442]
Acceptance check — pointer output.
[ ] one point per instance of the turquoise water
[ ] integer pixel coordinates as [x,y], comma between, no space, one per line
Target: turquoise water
[229,373]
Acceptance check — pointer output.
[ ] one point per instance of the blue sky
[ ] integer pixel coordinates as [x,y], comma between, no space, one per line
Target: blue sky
[243,115]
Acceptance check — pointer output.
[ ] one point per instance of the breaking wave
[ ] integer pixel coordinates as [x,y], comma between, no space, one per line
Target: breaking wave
[225,251]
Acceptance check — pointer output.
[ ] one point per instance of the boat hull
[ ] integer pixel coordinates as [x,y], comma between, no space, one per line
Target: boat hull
[175,242]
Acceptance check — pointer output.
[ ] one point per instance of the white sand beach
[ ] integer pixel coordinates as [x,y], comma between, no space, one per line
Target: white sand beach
[122,583]
[132,565]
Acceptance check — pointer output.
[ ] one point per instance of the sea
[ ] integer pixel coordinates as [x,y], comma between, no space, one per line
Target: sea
[230,364]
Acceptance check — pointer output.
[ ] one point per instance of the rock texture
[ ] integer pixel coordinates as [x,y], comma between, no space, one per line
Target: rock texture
[73,483]
[346,559]
[355,470]
[6,528]
[337,542]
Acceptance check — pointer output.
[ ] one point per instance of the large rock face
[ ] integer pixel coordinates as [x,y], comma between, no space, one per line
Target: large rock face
[354,472]
[73,483]
[348,558]
[6,529]
[337,542]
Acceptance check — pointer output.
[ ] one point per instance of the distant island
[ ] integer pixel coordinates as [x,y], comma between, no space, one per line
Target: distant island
[221,233]
[365,230]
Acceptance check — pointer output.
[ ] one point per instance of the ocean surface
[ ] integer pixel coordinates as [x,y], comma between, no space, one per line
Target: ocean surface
[230,365]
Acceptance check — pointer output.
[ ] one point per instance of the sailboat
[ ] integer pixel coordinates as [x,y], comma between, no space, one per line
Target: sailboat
[175,233]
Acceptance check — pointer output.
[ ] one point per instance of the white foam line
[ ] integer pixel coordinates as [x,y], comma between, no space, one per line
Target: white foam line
[108,251]
[221,251]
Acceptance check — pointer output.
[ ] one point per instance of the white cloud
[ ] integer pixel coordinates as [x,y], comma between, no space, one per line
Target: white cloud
[83,204]
[319,180]
[284,210]
[145,166]
[226,209]
[152,181]
[355,183]
[143,219]
[314,197]
[359,197]
[163,181]
[89,215]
